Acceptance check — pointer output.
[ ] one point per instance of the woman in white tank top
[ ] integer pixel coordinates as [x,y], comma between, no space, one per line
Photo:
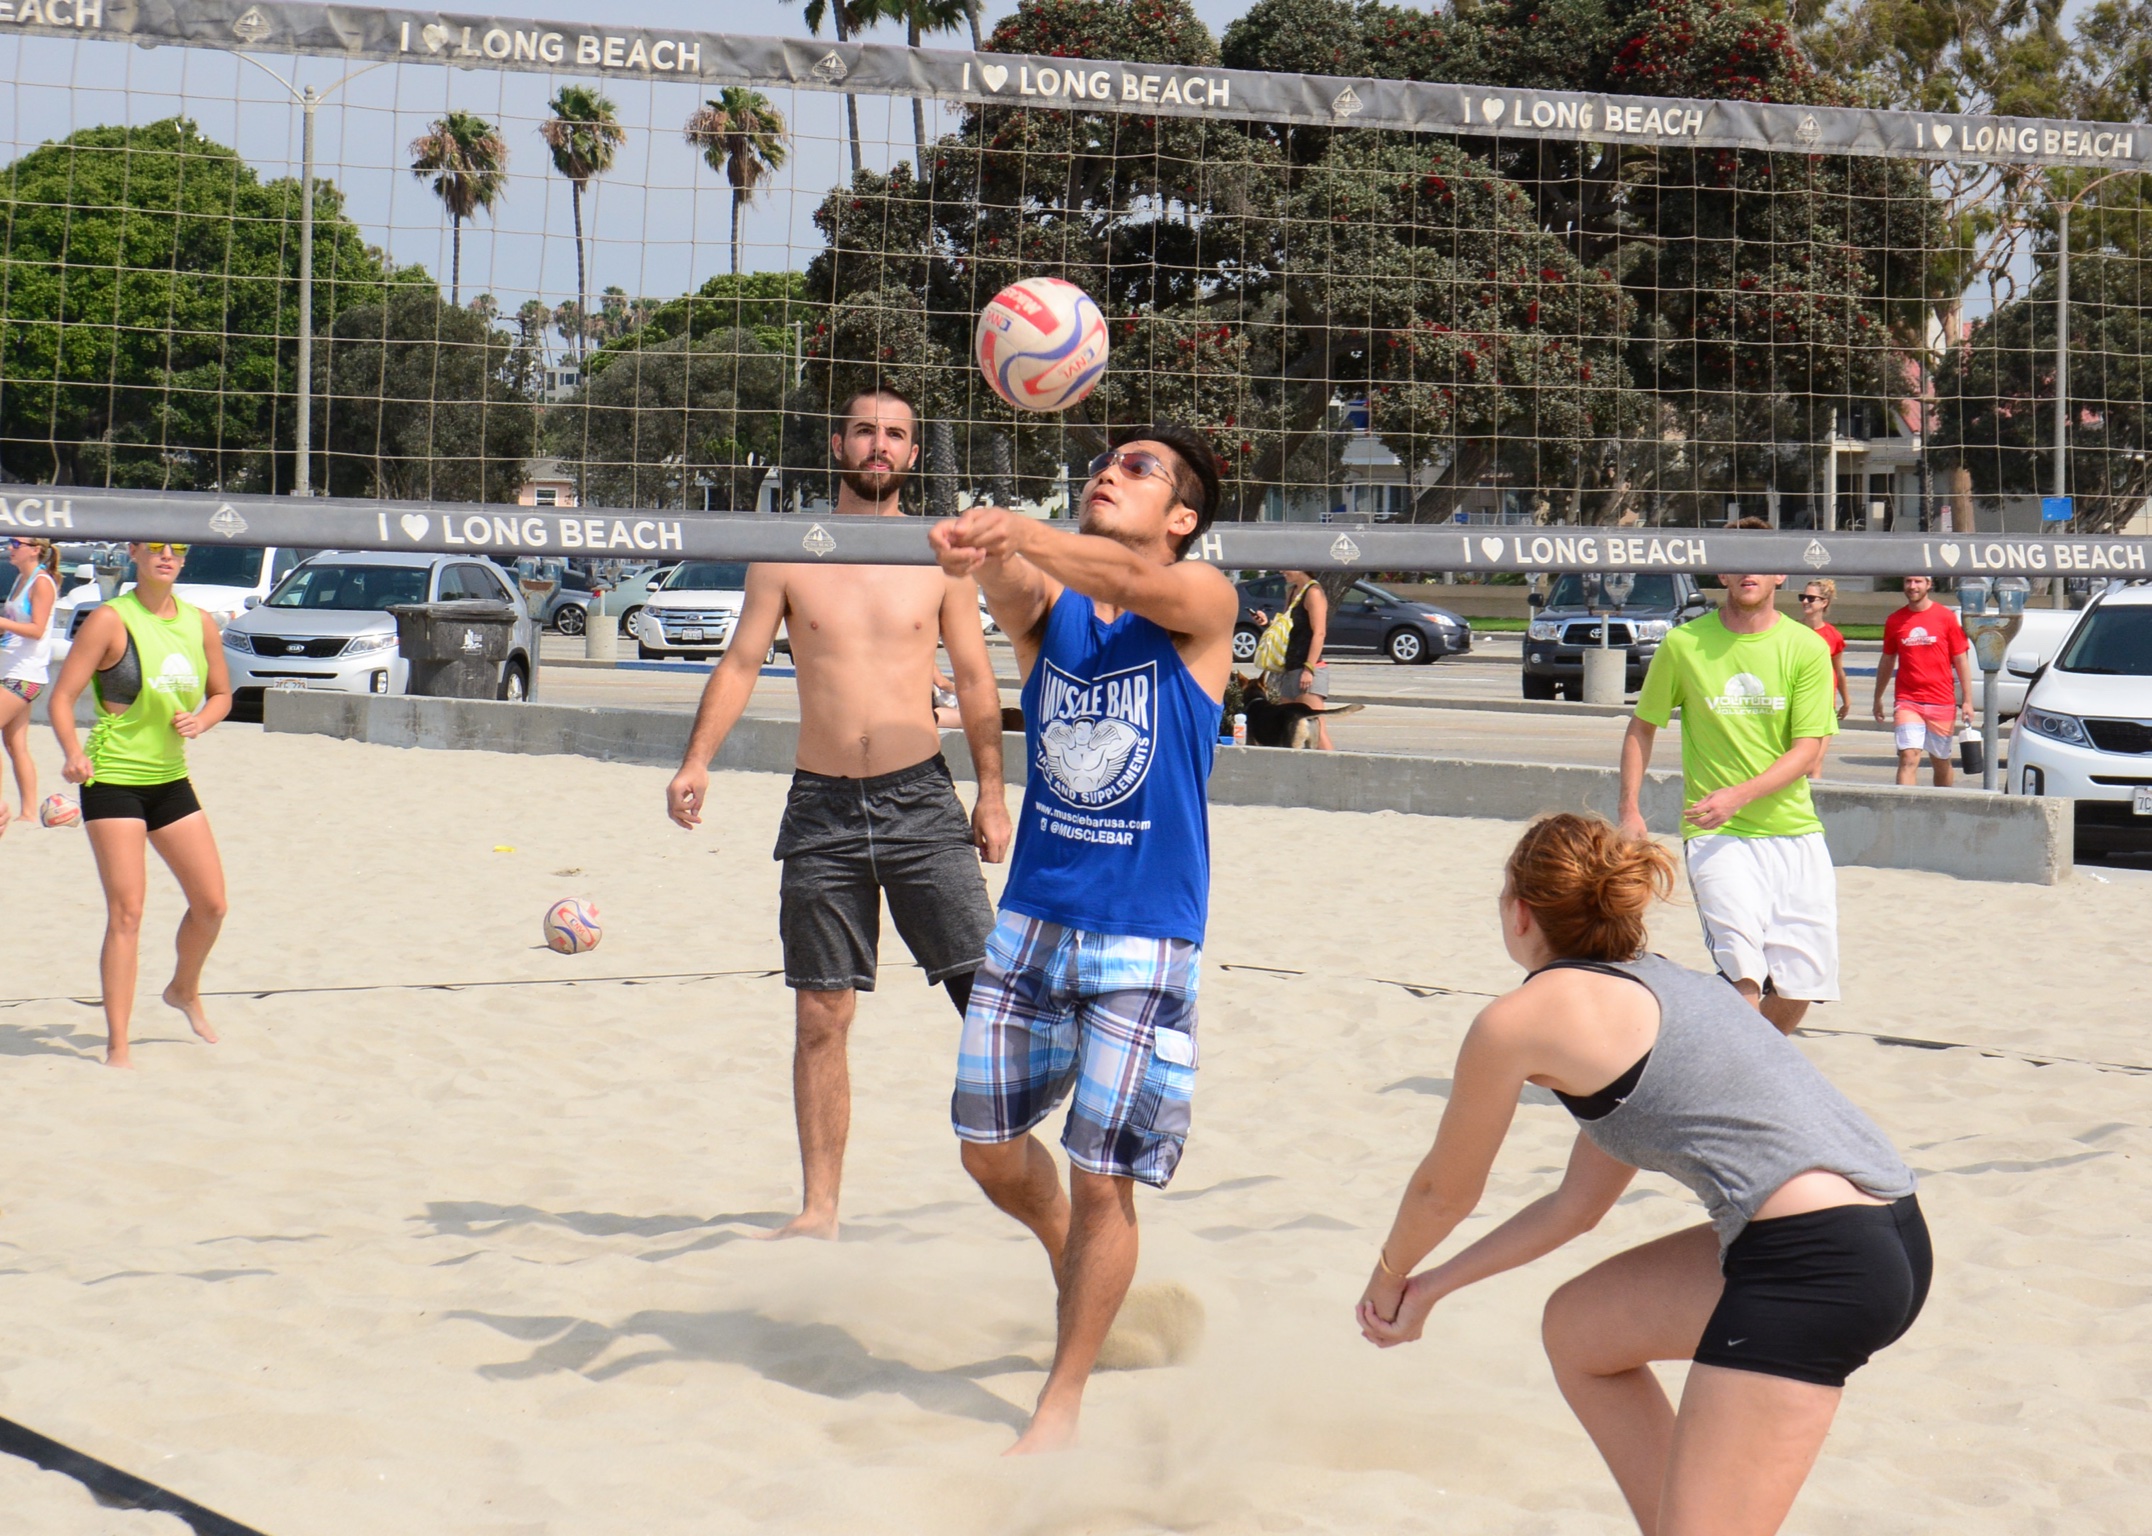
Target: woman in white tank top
[25,657]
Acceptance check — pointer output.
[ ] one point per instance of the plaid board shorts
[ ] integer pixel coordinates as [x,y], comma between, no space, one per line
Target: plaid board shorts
[1111,1017]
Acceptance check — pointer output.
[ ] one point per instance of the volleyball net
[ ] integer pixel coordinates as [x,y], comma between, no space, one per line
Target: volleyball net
[567,265]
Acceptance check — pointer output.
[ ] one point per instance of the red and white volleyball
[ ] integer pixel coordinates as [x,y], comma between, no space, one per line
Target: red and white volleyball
[571,927]
[59,811]
[1041,344]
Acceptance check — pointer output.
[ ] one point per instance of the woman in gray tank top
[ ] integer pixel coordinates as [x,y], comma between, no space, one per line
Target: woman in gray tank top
[1815,1255]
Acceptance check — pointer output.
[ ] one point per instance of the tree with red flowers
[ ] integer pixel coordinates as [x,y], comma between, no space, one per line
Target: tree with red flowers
[1249,291]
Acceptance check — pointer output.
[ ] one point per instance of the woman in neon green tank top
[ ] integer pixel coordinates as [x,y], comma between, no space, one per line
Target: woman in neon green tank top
[156,667]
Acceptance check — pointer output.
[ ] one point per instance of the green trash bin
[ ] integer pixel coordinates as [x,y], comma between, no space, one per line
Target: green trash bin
[454,650]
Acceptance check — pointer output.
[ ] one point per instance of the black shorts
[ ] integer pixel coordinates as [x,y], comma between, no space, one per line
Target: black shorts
[847,842]
[1811,1297]
[157,804]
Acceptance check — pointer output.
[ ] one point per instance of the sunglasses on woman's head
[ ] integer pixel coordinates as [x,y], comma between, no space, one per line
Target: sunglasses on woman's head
[1139,463]
[1814,597]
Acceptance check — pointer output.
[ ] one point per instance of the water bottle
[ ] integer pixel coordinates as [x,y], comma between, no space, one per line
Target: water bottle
[1240,730]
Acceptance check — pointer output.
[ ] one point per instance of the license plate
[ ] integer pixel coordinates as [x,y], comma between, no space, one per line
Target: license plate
[287,685]
[690,634]
[2141,800]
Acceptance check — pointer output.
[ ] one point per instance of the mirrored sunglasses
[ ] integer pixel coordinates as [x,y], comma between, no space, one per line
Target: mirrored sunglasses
[159,550]
[1138,463]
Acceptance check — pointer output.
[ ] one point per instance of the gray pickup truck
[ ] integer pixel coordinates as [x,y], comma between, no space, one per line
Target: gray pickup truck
[1640,608]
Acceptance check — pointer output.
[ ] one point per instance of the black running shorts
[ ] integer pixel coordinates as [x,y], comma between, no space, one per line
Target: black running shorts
[1811,1297]
[845,844]
[159,805]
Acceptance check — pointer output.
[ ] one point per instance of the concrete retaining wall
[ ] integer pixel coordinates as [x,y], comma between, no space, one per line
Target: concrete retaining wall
[1969,834]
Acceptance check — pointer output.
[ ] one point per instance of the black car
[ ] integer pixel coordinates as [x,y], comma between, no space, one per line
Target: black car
[1641,609]
[1366,621]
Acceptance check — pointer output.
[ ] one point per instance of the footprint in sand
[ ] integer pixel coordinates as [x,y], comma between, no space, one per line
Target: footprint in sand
[1159,1325]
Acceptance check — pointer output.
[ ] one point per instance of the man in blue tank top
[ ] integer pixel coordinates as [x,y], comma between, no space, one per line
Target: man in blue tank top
[1089,986]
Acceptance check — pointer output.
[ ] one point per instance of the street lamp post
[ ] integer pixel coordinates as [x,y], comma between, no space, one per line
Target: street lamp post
[303,429]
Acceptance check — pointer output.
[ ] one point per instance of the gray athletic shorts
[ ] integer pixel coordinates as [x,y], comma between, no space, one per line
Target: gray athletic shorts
[846,843]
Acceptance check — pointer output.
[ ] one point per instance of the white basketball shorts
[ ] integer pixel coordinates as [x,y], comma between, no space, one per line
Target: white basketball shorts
[1769,907]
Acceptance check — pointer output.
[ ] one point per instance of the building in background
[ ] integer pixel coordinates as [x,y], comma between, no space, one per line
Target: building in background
[546,484]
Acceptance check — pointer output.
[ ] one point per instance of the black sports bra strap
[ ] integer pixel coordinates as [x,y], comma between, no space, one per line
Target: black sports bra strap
[1603,967]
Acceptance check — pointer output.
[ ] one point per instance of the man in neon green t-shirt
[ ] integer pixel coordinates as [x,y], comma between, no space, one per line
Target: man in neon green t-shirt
[1754,691]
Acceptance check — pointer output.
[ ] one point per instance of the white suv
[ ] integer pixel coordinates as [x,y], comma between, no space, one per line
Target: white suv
[2086,730]
[691,613]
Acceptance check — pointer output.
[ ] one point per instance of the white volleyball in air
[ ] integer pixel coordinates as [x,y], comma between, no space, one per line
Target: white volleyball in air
[1041,344]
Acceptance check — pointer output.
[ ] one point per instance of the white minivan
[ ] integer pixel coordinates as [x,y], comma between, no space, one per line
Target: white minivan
[2086,729]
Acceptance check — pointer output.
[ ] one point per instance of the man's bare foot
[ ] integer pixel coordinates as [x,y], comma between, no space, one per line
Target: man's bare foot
[1050,1430]
[192,1008]
[806,1224]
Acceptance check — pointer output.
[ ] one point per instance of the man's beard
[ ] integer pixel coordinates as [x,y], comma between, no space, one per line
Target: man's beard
[877,485]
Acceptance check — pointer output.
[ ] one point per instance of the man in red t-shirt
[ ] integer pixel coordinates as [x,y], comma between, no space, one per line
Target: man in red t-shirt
[1926,646]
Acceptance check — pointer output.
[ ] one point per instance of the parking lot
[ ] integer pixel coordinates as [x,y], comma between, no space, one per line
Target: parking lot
[1464,706]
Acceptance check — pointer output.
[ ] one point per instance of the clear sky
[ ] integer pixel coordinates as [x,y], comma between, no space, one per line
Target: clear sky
[658,223]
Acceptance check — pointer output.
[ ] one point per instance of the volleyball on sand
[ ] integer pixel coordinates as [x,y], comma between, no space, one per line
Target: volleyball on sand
[571,927]
[59,811]
[1041,344]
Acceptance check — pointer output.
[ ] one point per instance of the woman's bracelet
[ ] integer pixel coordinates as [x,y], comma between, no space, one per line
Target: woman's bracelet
[1382,1262]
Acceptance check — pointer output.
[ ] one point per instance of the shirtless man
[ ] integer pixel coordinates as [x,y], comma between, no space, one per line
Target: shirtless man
[872,808]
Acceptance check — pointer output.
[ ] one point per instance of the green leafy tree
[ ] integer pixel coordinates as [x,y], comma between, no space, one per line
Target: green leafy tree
[1020,193]
[742,136]
[149,310]
[2011,59]
[468,161]
[659,425]
[584,135]
[1998,393]
[1763,291]
[1251,282]
[414,400]
[767,304]
[526,355]
[2110,76]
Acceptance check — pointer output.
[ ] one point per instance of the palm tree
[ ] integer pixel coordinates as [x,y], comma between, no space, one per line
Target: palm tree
[583,134]
[842,13]
[743,136]
[921,18]
[468,162]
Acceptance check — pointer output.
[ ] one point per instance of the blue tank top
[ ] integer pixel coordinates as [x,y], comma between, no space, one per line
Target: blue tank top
[1115,835]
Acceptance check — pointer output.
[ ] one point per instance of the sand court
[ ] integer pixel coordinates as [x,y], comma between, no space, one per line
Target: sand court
[437,1241]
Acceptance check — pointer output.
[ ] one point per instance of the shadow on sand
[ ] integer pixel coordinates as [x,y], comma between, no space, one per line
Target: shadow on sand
[811,1357]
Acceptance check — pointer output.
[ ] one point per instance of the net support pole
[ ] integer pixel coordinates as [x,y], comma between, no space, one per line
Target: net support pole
[2062,356]
[303,429]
